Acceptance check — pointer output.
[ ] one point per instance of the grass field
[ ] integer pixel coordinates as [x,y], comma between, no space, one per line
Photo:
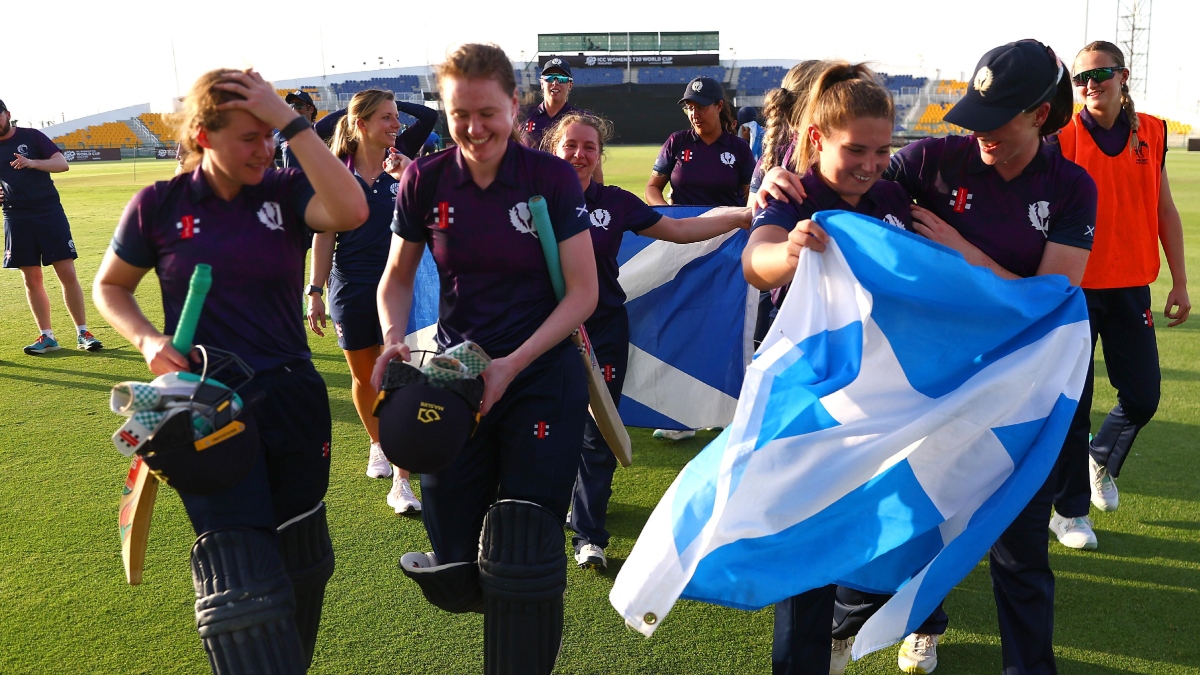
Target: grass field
[1133,606]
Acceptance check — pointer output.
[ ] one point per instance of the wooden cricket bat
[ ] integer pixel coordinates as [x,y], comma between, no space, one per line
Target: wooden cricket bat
[600,402]
[141,487]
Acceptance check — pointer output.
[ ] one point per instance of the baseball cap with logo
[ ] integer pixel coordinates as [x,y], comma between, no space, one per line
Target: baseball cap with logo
[558,63]
[704,91]
[301,96]
[1008,81]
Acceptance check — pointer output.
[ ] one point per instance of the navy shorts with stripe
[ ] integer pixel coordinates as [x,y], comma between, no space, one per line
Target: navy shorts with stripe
[37,239]
[355,313]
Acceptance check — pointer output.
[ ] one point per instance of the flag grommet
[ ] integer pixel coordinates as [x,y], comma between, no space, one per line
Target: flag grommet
[650,619]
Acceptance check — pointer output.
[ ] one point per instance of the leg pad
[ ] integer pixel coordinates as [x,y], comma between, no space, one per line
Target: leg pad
[308,558]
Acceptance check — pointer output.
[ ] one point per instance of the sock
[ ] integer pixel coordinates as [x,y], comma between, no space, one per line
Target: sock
[81,328]
[49,332]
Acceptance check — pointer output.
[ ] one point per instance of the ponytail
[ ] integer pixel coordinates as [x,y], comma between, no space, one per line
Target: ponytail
[840,92]
[362,106]
[777,111]
[1118,58]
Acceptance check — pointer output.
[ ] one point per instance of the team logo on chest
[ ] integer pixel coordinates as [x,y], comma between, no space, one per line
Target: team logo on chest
[893,220]
[444,214]
[395,189]
[541,430]
[187,227]
[1141,151]
[961,199]
[727,158]
[686,156]
[22,149]
[601,218]
[609,372]
[522,219]
[271,215]
[1039,217]
[529,126]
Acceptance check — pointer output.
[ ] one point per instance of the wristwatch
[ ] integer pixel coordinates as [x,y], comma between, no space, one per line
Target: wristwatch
[314,289]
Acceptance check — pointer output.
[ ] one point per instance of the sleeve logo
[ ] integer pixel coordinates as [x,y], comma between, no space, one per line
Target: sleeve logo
[271,215]
[522,220]
[1039,217]
[601,218]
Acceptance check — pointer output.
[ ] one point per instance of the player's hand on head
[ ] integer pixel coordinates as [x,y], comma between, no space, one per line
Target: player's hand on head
[316,314]
[161,356]
[260,98]
[1179,305]
[496,378]
[806,234]
[781,184]
[390,352]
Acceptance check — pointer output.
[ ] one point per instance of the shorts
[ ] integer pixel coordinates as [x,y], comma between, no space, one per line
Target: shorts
[355,314]
[38,239]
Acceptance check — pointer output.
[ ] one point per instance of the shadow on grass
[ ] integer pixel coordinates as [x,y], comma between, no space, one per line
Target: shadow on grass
[58,383]
[1174,524]
[1181,375]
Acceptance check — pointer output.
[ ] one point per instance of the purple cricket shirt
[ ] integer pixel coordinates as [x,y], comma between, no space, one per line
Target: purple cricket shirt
[885,200]
[256,244]
[495,286]
[703,174]
[1053,199]
[613,212]
[538,122]
[27,191]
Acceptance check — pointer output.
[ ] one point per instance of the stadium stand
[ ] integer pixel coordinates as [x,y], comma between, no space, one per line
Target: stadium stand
[158,125]
[679,75]
[593,77]
[407,84]
[898,83]
[107,135]
[931,121]
[758,81]
[1174,128]
[951,87]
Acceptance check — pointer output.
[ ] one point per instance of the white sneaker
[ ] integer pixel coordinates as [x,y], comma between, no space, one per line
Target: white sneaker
[591,557]
[839,658]
[1074,532]
[674,435]
[918,654]
[401,497]
[1104,488]
[378,465]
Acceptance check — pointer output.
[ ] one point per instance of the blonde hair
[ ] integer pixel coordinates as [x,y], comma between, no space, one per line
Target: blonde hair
[840,92]
[1118,58]
[200,112]
[603,127]
[362,106]
[474,61]
[778,107]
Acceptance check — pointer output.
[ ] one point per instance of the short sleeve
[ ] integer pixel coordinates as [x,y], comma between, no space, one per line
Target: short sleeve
[299,192]
[756,177]
[665,162]
[567,207]
[45,146]
[906,166]
[1077,223]
[778,213]
[129,241]
[638,215]
[408,220]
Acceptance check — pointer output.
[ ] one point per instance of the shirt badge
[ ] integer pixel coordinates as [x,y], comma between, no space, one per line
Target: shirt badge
[22,149]
[444,214]
[962,199]
[395,189]
[541,430]
[187,227]
[271,215]
[893,220]
[522,219]
[686,155]
[601,218]
[727,158]
[1039,217]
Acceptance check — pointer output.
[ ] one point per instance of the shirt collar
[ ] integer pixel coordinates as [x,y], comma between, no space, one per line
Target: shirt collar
[563,110]
[824,197]
[976,165]
[592,191]
[198,187]
[1090,123]
[722,140]
[506,175]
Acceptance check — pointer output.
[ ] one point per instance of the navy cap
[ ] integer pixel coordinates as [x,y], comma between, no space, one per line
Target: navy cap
[747,114]
[301,96]
[557,63]
[1008,81]
[703,90]
[3,108]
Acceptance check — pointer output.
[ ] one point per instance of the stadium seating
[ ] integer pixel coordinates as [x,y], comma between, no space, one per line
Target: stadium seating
[406,84]
[951,87]
[593,77]
[107,135]
[932,122]
[758,81]
[159,126]
[679,75]
[898,83]
[1174,128]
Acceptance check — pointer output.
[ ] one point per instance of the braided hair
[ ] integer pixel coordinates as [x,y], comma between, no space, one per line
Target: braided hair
[777,111]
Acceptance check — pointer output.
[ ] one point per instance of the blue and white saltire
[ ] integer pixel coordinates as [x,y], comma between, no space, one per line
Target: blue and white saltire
[691,326]
[902,411]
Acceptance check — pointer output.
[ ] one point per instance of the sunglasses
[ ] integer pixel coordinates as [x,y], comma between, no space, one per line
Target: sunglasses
[559,79]
[1096,75]
[298,105]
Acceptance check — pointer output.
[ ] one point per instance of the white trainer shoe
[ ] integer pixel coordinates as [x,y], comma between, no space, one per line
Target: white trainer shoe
[839,657]
[378,465]
[401,497]
[918,654]
[1074,532]
[1104,488]
[674,434]
[591,557]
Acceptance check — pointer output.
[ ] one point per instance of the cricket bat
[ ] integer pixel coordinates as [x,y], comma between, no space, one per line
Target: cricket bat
[141,487]
[600,402]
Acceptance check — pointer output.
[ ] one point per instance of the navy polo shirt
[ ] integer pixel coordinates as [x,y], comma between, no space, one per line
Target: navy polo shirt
[256,244]
[538,122]
[613,212]
[885,200]
[704,174]
[27,191]
[495,286]
[361,253]
[1053,199]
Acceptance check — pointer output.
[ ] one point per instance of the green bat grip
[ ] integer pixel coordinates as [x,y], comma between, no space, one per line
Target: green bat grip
[545,232]
[190,316]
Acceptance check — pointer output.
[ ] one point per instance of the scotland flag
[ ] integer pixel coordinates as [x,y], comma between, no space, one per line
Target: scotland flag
[675,293]
[903,410]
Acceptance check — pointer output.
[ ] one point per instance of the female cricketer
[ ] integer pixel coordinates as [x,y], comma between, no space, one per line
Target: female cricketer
[352,264]
[1124,151]
[262,555]
[501,503]
[1032,212]
[579,138]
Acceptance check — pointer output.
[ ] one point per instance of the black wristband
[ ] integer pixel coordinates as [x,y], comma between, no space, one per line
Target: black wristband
[294,127]
[314,289]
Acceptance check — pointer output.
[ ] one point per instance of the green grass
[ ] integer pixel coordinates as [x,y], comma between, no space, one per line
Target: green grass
[1131,607]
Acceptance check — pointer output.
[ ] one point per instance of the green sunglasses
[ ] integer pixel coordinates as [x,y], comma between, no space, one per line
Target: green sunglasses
[560,79]
[1096,75]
